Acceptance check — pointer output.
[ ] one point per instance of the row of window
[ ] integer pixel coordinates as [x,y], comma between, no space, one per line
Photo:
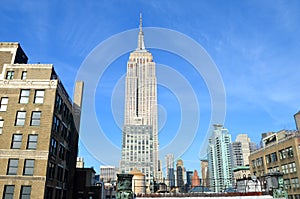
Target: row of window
[291,183]
[24,98]
[10,189]
[286,153]
[271,157]
[289,168]
[35,118]
[54,148]
[258,162]
[13,164]
[61,176]
[31,141]
[10,75]
[21,118]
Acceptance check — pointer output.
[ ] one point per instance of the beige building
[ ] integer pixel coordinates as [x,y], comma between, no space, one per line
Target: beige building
[38,128]
[138,181]
[108,173]
[297,120]
[281,152]
[204,173]
[241,172]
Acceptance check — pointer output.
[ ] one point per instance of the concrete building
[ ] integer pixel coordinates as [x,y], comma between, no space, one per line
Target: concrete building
[170,175]
[108,173]
[140,132]
[241,149]
[180,170]
[38,128]
[281,152]
[219,159]
[204,173]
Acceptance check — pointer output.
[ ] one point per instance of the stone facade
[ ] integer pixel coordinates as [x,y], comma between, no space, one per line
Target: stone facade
[140,129]
[38,134]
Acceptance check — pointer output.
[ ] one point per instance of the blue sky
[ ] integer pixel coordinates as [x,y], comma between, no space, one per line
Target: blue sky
[254,44]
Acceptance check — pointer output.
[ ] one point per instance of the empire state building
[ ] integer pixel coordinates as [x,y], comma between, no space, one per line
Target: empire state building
[140,131]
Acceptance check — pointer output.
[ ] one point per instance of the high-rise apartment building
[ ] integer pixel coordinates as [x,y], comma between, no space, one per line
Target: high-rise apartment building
[38,128]
[108,173]
[219,159]
[140,132]
[170,175]
[241,149]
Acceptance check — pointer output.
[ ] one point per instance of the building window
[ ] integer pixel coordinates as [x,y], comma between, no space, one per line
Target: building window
[285,168]
[24,96]
[53,146]
[1,126]
[60,173]
[287,184]
[3,103]
[24,75]
[51,170]
[16,141]
[295,183]
[49,193]
[8,191]
[292,167]
[61,152]
[282,154]
[290,152]
[20,120]
[32,142]
[56,123]
[28,167]
[25,192]
[39,96]
[10,74]
[12,168]
[35,118]
[58,103]
[274,157]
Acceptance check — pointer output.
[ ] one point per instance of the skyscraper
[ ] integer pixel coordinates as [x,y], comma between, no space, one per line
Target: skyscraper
[170,170]
[180,175]
[204,173]
[140,132]
[219,159]
[241,149]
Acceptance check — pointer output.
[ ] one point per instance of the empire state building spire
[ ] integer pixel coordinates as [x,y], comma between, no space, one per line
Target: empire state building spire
[141,44]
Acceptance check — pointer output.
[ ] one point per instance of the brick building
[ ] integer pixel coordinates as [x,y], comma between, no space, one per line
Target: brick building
[280,152]
[38,128]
